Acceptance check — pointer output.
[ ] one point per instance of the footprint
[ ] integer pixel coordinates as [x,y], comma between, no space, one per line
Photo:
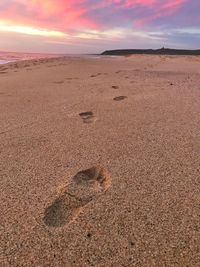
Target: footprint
[101,73]
[115,87]
[119,98]
[4,68]
[84,187]
[87,117]
[50,66]
[70,79]
[59,82]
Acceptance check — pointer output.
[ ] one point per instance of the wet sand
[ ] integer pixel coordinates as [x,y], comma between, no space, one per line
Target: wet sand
[100,162]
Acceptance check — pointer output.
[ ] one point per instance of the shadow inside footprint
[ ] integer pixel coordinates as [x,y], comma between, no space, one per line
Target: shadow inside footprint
[84,187]
[119,98]
[87,117]
[63,210]
[115,87]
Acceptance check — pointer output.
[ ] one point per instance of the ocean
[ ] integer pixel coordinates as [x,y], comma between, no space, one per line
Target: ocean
[6,57]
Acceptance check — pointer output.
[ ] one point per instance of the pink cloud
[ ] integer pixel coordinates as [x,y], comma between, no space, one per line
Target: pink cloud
[72,14]
[165,9]
[57,14]
[130,3]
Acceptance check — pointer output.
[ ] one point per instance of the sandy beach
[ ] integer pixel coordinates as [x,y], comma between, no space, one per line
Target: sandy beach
[100,162]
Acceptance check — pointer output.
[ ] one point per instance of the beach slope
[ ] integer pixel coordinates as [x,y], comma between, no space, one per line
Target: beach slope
[99,161]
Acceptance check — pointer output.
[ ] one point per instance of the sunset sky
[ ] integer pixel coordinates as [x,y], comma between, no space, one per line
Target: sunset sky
[91,26]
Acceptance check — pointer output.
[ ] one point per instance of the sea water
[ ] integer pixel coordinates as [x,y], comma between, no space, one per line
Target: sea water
[7,57]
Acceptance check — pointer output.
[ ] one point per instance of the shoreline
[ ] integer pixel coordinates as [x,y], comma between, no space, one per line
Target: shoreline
[92,56]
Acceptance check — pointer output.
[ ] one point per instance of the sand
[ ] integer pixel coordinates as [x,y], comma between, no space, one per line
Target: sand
[100,162]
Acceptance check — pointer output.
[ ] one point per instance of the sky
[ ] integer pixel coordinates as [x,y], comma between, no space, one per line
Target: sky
[92,26]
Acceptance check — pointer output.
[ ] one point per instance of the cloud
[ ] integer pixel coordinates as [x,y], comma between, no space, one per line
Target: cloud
[5,27]
[166,8]
[63,15]
[115,21]
[56,14]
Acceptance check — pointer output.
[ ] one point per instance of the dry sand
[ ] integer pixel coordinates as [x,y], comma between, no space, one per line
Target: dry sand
[100,162]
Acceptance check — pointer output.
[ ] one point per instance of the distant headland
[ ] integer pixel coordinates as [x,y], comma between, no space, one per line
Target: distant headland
[161,51]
